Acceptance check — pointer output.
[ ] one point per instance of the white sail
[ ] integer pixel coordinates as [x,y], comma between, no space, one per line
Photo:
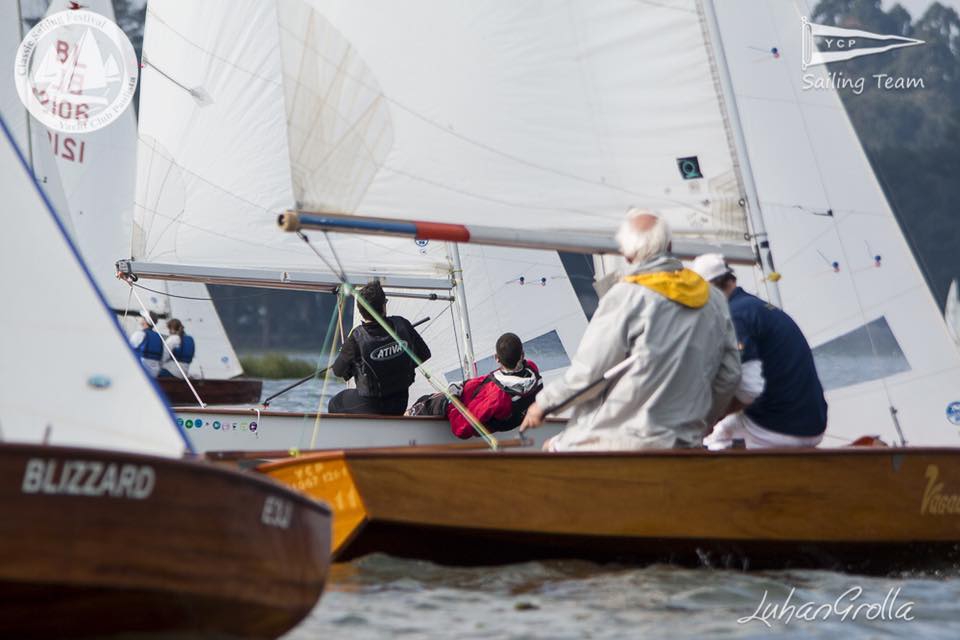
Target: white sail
[215,357]
[951,312]
[11,108]
[849,277]
[527,114]
[508,290]
[531,121]
[29,135]
[89,390]
[232,120]
[98,172]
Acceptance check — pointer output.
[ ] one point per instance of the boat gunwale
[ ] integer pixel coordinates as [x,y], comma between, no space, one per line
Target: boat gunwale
[256,410]
[195,465]
[413,453]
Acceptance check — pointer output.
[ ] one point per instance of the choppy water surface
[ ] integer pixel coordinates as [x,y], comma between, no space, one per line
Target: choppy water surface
[306,397]
[381,597]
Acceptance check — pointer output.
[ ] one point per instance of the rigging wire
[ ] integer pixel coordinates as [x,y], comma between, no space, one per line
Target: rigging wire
[207,299]
[329,372]
[379,319]
[149,317]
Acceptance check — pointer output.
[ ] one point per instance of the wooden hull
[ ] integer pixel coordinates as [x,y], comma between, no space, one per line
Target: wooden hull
[233,391]
[247,429]
[859,509]
[154,548]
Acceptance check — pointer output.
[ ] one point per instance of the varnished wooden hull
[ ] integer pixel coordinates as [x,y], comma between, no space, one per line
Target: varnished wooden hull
[177,548]
[860,509]
[233,391]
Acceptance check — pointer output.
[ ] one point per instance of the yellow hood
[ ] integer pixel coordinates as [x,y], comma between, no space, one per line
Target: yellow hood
[683,286]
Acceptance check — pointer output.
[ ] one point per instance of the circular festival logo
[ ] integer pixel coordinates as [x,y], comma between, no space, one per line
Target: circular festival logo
[953,413]
[76,71]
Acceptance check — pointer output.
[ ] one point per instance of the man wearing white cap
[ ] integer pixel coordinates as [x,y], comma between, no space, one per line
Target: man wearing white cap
[779,402]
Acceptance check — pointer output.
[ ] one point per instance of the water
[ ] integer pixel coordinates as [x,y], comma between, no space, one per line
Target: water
[382,597]
[306,397]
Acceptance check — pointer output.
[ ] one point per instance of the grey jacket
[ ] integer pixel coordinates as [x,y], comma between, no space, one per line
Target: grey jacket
[686,375]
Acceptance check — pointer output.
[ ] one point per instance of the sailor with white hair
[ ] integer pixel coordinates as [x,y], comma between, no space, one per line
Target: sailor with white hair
[687,366]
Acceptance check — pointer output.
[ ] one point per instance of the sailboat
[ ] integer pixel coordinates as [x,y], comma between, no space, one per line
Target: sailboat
[107,529]
[828,249]
[217,144]
[98,173]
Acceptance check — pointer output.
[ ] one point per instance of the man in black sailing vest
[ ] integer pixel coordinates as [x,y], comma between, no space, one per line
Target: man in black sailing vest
[382,369]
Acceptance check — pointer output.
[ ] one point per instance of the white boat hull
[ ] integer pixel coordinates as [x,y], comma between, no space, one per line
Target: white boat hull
[246,429]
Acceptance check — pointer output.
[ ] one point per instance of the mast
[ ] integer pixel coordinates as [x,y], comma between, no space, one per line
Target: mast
[752,204]
[469,364]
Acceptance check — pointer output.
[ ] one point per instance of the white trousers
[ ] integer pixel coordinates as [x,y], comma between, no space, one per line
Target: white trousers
[738,426]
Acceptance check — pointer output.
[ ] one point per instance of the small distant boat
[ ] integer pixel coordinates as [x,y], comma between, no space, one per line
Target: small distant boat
[866,509]
[106,529]
[232,391]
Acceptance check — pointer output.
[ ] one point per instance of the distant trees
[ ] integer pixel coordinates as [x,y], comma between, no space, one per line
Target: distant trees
[911,137]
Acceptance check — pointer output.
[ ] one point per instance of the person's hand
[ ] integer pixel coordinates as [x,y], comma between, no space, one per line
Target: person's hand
[534,417]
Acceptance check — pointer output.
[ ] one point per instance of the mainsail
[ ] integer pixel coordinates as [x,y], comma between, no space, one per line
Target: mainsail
[848,276]
[90,391]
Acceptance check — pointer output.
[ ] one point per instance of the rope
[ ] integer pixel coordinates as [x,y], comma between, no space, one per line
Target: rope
[348,288]
[329,370]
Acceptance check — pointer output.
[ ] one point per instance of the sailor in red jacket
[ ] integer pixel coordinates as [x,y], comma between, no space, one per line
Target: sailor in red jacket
[500,399]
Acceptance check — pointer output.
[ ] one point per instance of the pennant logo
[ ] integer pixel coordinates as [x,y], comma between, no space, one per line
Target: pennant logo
[841,44]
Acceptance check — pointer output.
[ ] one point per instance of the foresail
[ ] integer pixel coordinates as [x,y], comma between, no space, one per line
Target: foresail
[507,290]
[215,357]
[848,276]
[88,389]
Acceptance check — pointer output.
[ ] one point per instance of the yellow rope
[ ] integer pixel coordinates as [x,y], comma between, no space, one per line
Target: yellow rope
[329,371]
